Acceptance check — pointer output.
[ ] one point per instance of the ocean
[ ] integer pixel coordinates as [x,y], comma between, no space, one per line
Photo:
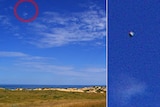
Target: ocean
[45,86]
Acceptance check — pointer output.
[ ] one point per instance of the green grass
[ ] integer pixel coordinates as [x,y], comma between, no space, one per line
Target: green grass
[50,98]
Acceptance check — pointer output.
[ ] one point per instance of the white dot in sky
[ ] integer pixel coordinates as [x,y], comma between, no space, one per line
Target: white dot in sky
[131,33]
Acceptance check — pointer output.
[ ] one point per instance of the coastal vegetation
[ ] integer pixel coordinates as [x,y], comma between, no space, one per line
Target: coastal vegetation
[50,98]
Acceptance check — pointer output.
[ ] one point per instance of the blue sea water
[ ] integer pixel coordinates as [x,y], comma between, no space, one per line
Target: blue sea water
[45,86]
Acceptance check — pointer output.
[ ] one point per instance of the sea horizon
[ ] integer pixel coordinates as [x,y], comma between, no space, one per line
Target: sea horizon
[33,86]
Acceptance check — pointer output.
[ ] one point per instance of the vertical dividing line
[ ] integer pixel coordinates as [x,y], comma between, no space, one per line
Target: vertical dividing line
[107,53]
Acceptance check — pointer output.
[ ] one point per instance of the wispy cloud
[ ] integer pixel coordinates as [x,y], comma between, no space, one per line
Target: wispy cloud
[95,70]
[25,14]
[25,62]
[5,21]
[132,90]
[12,54]
[22,56]
[43,66]
[65,70]
[125,87]
[57,29]
[53,29]
[7,24]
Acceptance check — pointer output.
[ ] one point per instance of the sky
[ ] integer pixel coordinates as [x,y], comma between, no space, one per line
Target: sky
[64,45]
[133,64]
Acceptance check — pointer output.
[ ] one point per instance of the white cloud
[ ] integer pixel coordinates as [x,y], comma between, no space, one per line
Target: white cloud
[21,62]
[95,70]
[53,29]
[56,29]
[12,54]
[125,88]
[25,14]
[4,20]
[66,70]
[131,91]
[6,24]
[25,62]
[22,56]
[42,66]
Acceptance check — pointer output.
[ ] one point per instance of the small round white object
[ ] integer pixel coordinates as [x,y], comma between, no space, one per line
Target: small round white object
[131,34]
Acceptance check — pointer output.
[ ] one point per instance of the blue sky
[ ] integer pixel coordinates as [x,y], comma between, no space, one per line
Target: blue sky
[134,70]
[64,45]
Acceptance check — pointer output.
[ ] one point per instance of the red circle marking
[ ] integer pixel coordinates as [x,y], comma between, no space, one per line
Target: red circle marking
[26,20]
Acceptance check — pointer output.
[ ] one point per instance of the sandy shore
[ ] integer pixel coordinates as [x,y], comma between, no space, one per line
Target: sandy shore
[94,89]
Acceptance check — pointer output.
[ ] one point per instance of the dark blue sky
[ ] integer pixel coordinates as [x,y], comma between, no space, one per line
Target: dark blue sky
[134,63]
[64,45]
